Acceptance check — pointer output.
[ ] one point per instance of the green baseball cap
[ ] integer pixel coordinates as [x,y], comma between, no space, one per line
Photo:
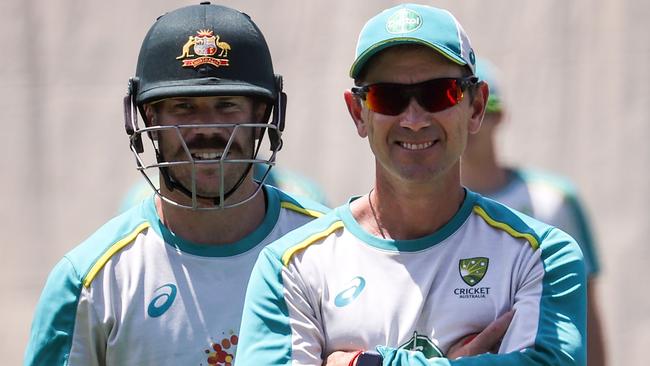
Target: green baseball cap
[488,72]
[414,24]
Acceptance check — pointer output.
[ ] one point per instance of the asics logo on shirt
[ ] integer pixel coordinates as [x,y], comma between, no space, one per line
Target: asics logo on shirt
[347,295]
[162,302]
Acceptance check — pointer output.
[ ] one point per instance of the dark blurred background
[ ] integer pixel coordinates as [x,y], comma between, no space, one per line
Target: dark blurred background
[576,81]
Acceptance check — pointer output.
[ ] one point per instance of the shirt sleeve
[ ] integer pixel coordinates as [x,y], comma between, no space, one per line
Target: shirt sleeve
[59,324]
[279,326]
[560,332]
[571,218]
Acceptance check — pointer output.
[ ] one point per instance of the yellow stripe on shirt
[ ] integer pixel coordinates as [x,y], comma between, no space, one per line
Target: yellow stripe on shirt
[286,257]
[101,262]
[302,210]
[507,228]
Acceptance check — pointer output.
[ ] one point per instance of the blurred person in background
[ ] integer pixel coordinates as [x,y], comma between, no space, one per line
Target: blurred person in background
[549,198]
[164,282]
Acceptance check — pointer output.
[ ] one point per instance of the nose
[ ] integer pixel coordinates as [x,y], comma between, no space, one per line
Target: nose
[209,125]
[414,117]
[206,116]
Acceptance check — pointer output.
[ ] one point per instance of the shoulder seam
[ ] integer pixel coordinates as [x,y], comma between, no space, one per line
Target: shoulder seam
[305,211]
[532,240]
[110,252]
[290,252]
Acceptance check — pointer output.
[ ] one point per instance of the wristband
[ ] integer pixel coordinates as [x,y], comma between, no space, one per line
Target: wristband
[370,358]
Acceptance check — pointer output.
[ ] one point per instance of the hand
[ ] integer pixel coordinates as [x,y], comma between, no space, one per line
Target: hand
[340,358]
[486,341]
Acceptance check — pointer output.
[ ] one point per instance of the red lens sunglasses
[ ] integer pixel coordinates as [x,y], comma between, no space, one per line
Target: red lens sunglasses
[433,95]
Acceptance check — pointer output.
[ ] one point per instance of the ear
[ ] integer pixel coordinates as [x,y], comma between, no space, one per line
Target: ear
[149,113]
[150,119]
[354,108]
[478,105]
[259,113]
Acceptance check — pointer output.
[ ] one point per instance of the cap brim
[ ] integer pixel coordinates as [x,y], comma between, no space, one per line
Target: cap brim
[202,88]
[361,61]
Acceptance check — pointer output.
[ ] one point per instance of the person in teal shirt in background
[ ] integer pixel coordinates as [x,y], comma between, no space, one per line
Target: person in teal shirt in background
[548,197]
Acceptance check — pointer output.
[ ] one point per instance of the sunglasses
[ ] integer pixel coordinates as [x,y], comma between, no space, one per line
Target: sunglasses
[433,95]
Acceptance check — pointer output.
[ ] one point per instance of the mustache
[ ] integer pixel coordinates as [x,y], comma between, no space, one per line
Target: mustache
[199,142]
[210,142]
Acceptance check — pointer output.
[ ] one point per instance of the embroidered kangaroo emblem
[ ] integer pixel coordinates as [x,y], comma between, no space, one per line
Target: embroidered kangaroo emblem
[186,48]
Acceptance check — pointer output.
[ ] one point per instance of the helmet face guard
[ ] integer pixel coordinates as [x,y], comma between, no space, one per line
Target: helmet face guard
[222,53]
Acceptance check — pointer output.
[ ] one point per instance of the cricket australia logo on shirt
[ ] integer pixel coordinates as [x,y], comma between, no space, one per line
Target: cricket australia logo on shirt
[472,271]
[422,343]
[163,300]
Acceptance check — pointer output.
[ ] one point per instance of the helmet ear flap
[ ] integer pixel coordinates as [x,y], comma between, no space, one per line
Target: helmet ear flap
[279,110]
[131,115]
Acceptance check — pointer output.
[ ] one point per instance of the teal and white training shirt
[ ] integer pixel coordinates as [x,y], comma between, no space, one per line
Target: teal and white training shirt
[331,286]
[136,294]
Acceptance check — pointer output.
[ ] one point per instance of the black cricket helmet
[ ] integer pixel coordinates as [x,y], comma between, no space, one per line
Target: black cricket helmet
[204,50]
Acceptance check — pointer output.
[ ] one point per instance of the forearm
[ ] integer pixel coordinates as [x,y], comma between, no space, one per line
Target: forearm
[397,357]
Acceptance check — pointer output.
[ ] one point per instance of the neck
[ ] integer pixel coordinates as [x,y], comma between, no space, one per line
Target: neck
[481,171]
[215,227]
[408,211]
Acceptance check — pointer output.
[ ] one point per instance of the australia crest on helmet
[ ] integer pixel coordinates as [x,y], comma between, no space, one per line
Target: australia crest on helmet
[204,47]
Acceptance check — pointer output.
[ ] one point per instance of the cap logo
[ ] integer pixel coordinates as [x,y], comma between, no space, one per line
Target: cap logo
[202,48]
[403,21]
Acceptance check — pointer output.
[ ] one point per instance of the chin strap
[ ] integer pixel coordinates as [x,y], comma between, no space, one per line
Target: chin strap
[131,115]
[279,110]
